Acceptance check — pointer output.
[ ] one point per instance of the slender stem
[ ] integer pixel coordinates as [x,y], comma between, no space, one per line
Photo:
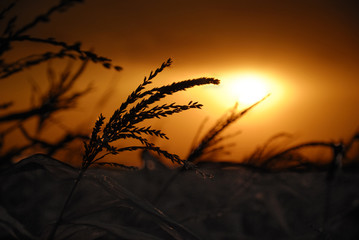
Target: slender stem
[166,185]
[60,218]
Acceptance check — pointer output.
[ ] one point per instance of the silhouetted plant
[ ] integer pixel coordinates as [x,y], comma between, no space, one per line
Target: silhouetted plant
[212,142]
[60,95]
[11,34]
[123,124]
[124,121]
[269,158]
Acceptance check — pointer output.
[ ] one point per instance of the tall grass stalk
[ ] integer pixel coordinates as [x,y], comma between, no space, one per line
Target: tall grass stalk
[59,97]
[210,143]
[123,124]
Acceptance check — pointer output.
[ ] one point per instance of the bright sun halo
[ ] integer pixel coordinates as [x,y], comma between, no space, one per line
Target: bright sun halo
[247,88]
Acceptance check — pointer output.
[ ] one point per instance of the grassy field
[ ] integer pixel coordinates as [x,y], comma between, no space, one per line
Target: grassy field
[236,203]
[43,198]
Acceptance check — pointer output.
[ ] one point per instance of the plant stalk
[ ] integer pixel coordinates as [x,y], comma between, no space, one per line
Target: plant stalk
[67,202]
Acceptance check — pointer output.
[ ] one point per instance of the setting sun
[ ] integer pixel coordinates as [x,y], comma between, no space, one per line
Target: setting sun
[179,119]
[248,88]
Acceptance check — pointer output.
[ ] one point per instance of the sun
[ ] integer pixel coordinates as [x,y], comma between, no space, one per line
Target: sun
[247,88]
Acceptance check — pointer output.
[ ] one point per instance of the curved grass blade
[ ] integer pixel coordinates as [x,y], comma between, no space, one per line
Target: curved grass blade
[176,230]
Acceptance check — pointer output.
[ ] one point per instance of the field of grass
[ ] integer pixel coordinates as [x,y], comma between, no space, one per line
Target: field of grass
[270,195]
[237,203]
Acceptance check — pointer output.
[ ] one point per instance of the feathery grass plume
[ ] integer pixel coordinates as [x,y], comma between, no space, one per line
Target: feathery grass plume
[11,34]
[290,159]
[210,142]
[72,51]
[265,151]
[123,125]
[267,157]
[58,97]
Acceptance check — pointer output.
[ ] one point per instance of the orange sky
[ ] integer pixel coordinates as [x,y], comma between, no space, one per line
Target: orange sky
[309,50]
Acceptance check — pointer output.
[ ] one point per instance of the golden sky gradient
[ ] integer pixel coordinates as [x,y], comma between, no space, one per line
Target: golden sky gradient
[307,52]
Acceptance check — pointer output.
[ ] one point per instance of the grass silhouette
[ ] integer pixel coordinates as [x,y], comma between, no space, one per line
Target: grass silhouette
[213,142]
[123,125]
[60,95]
[266,195]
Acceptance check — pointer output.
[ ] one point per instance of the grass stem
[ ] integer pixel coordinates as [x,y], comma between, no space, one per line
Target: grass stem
[66,204]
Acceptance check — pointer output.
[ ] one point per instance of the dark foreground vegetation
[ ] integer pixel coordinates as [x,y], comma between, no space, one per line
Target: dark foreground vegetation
[237,203]
[269,195]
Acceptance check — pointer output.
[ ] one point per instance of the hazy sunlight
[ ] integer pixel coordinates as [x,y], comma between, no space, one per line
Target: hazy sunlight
[248,88]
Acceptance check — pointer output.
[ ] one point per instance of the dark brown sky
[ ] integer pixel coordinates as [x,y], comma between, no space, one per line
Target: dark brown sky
[309,48]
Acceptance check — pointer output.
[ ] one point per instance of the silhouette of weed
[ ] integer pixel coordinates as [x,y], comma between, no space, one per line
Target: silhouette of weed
[123,124]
